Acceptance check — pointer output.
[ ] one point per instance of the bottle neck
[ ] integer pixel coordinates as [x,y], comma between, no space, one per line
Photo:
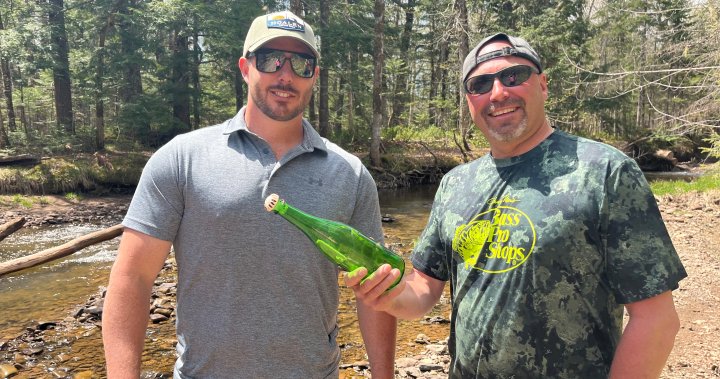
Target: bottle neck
[281,207]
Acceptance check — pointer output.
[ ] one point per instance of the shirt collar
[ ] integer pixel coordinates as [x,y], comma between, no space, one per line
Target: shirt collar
[311,138]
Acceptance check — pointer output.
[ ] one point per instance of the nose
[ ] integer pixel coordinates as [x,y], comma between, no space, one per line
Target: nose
[498,91]
[286,71]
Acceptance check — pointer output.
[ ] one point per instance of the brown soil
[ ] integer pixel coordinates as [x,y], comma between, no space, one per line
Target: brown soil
[694,224]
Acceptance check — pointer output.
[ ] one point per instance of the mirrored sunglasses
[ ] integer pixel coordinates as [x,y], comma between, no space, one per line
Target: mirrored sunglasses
[509,77]
[271,60]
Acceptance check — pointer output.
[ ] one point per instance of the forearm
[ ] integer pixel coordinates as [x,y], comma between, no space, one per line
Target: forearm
[125,319]
[379,331]
[646,344]
[414,296]
[417,298]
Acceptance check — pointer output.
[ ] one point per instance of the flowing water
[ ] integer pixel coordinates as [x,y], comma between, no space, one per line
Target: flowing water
[48,292]
[52,291]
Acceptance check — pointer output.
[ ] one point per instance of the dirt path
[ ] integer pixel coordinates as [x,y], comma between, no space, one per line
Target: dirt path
[694,224]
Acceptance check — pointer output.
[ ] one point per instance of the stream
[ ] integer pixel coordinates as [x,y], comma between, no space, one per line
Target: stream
[53,291]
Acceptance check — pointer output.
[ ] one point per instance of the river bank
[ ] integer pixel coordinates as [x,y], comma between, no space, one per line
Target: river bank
[51,345]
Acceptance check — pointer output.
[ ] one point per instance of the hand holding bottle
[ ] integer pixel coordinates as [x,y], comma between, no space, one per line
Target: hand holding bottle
[376,290]
[340,243]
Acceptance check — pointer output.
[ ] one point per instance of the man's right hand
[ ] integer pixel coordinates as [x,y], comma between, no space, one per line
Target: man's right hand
[411,298]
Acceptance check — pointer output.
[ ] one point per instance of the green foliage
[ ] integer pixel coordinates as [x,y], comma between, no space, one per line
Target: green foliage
[22,201]
[618,70]
[714,149]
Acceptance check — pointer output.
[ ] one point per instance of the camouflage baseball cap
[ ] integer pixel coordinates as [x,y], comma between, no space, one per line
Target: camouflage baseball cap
[518,47]
[279,24]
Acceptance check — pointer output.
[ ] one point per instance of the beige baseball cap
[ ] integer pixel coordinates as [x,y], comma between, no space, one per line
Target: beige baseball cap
[279,24]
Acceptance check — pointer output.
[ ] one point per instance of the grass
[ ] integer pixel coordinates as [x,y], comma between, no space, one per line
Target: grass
[708,182]
[72,196]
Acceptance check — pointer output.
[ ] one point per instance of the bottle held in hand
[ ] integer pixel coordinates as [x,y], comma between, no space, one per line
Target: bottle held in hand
[342,244]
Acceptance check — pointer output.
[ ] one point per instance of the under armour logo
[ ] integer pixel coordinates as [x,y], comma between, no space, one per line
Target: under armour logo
[317,182]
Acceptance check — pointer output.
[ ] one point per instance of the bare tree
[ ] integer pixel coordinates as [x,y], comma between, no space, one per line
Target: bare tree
[61,68]
[378,103]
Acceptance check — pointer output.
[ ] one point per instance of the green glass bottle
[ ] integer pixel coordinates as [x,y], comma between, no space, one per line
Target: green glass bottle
[342,244]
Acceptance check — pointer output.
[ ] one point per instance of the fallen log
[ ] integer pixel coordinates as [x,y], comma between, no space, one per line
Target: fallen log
[60,251]
[11,227]
[23,159]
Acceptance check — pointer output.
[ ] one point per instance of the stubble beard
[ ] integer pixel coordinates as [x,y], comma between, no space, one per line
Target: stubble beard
[516,131]
[282,112]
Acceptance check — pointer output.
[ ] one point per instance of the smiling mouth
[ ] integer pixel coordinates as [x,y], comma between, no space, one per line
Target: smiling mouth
[503,111]
[281,94]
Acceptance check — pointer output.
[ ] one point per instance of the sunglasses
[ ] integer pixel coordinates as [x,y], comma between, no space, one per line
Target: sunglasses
[509,77]
[271,60]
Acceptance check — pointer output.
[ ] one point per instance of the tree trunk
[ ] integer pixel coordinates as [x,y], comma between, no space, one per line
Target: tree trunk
[463,50]
[400,94]
[180,81]
[339,105]
[323,110]
[131,87]
[7,90]
[11,227]
[377,120]
[99,90]
[197,58]
[296,7]
[61,66]
[60,251]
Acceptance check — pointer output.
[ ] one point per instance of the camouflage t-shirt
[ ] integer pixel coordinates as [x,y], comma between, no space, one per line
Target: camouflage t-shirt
[541,251]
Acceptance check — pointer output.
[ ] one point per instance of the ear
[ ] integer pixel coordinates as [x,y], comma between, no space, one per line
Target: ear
[244,66]
[317,74]
[544,85]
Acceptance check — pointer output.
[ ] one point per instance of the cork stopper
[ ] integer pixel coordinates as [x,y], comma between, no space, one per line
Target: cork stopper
[271,201]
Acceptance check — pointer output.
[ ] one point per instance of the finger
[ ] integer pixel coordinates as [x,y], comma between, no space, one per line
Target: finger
[354,277]
[376,278]
[382,285]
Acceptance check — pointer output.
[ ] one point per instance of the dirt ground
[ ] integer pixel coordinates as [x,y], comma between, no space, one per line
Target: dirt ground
[694,224]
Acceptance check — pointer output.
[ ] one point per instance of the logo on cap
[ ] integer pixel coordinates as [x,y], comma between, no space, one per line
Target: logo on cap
[286,22]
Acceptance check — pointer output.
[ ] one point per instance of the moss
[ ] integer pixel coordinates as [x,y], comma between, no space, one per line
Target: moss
[73,173]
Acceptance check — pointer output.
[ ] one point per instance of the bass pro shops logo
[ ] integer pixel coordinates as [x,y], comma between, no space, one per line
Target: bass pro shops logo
[497,240]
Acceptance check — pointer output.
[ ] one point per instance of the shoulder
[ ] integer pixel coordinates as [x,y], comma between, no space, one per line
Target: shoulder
[338,156]
[197,140]
[588,149]
[462,172]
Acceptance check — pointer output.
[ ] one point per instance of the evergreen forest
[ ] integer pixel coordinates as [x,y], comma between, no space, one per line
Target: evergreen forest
[91,75]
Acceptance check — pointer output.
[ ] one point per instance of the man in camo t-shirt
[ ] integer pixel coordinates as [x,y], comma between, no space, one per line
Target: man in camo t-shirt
[543,241]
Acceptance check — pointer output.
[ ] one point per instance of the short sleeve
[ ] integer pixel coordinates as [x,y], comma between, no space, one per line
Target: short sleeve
[366,216]
[429,255]
[157,205]
[641,259]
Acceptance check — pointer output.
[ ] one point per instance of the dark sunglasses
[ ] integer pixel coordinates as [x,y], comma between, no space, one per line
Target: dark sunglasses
[271,60]
[509,77]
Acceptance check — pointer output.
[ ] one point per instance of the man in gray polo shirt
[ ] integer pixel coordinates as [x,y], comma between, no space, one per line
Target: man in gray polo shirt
[255,298]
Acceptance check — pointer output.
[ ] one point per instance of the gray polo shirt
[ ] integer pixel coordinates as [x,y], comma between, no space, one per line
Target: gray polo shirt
[256,299]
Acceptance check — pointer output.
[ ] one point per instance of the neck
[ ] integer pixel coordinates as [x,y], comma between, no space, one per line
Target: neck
[280,135]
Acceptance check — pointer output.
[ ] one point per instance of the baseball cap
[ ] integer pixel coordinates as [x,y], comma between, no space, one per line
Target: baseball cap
[279,24]
[518,47]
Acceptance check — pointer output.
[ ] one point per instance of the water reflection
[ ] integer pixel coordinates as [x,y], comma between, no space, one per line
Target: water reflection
[51,290]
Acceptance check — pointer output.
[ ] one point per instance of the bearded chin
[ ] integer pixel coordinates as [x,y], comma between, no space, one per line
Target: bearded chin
[281,114]
[513,134]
